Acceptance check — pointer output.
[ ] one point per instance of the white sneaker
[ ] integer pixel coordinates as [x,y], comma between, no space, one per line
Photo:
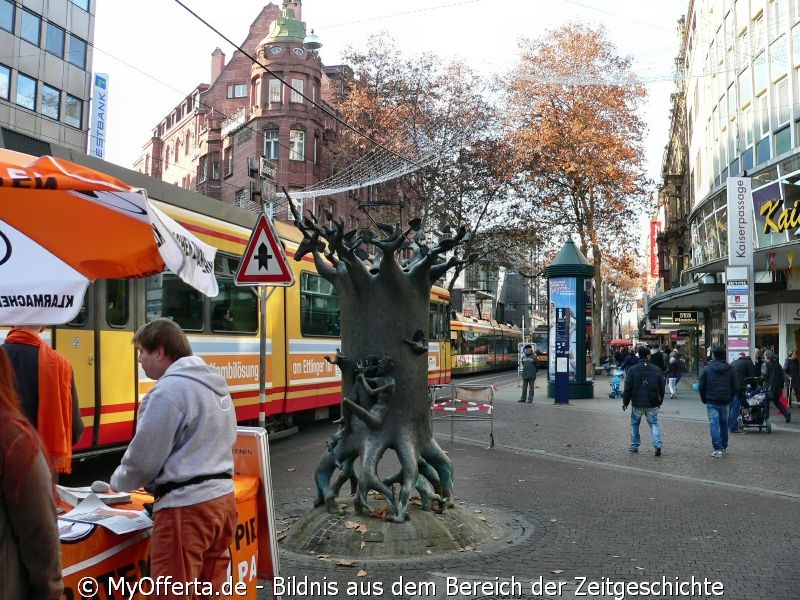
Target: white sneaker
[717,454]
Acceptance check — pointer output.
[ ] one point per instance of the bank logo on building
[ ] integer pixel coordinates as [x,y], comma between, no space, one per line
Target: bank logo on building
[100,81]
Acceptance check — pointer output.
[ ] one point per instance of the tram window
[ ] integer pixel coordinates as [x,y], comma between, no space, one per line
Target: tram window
[83,314]
[234,308]
[117,306]
[169,297]
[319,306]
[439,322]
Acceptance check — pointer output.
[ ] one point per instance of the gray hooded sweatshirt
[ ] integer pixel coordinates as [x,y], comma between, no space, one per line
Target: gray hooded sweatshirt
[186,428]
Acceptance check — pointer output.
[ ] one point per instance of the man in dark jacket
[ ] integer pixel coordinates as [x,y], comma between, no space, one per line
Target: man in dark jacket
[657,358]
[528,362]
[743,368]
[772,373]
[717,386]
[644,388]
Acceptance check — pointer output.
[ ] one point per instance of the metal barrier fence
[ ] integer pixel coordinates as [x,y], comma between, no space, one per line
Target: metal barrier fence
[463,402]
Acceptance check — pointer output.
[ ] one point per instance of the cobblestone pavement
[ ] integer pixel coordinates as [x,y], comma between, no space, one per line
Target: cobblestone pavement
[590,517]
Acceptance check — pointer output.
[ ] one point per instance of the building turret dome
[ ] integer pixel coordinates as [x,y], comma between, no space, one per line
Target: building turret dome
[285,29]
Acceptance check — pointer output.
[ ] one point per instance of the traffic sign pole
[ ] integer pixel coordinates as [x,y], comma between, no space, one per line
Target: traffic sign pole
[263,264]
[263,296]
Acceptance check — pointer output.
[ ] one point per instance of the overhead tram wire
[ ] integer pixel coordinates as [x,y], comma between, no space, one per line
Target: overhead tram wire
[329,112]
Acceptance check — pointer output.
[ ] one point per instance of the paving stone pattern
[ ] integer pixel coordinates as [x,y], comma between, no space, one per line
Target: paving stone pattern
[590,515]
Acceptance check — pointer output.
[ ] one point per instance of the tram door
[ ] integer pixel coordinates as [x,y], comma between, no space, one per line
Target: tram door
[98,344]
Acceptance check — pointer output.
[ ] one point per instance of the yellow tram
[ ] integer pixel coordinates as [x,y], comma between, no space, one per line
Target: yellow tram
[302,328]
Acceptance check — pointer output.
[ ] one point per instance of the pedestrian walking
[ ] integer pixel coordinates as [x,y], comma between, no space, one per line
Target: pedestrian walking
[673,372]
[644,388]
[772,374]
[657,357]
[528,374]
[717,386]
[791,369]
[744,369]
[30,551]
[182,452]
[46,384]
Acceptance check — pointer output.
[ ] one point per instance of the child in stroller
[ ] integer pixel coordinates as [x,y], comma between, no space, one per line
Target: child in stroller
[616,384]
[754,411]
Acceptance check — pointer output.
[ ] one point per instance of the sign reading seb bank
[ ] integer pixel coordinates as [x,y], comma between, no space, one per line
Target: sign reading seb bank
[740,221]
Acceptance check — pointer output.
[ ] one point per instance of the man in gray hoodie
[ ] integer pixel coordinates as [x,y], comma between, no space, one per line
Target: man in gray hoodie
[182,454]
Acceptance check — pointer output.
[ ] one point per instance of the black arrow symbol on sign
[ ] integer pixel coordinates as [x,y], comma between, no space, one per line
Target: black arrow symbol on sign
[263,256]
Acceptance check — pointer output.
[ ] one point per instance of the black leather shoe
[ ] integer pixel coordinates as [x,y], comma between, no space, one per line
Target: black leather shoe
[658,451]
[788,417]
[523,400]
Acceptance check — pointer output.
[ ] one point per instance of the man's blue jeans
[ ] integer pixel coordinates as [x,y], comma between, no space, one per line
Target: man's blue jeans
[651,414]
[718,424]
[734,413]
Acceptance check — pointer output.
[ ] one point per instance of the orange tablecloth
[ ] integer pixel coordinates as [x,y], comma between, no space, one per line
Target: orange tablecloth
[103,555]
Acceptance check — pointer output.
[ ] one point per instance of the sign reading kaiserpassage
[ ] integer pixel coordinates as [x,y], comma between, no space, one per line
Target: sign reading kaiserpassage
[264,261]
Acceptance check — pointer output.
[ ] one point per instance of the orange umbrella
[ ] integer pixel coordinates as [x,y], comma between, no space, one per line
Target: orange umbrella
[63,225]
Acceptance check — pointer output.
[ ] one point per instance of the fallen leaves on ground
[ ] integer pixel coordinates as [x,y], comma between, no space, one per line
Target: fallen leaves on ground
[380,513]
[323,556]
[362,529]
[361,573]
[554,520]
[291,469]
[363,545]
[428,552]
[557,571]
[345,563]
[351,525]
[482,518]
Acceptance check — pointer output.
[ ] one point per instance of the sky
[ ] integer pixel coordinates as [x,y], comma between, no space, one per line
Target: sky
[156,52]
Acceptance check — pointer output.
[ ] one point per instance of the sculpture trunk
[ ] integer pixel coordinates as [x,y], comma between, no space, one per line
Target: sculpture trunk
[384,316]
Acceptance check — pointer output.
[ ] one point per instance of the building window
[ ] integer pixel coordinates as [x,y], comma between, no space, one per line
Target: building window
[762,115]
[275,88]
[54,40]
[186,144]
[240,198]
[782,112]
[202,169]
[763,151]
[228,160]
[297,90]
[747,160]
[77,52]
[783,141]
[297,143]
[271,144]
[26,91]
[5,81]
[31,27]
[166,158]
[745,88]
[760,72]
[7,15]
[73,111]
[237,90]
[215,173]
[51,101]
[84,4]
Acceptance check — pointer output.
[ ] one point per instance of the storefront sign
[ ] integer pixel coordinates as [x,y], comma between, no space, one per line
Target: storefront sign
[738,305]
[740,329]
[767,315]
[739,315]
[738,301]
[685,317]
[740,221]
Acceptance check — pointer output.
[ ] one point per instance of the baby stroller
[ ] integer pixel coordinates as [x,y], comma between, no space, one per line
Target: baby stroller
[616,384]
[754,409]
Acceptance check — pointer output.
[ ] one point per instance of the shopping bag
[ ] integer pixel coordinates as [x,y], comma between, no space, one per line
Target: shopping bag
[784,400]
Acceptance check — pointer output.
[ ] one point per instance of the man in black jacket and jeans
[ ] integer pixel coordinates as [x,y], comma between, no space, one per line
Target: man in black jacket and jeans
[717,387]
[644,388]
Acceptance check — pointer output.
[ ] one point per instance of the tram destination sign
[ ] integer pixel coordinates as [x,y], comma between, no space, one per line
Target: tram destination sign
[685,317]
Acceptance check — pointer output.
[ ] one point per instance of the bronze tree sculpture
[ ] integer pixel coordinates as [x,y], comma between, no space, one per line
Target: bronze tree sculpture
[384,286]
